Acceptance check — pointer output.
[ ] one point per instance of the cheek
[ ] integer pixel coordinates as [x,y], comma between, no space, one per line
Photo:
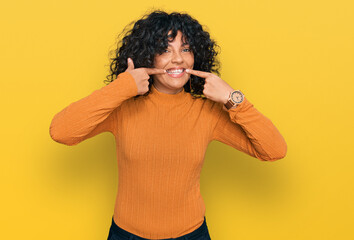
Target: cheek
[160,62]
[191,58]
[191,61]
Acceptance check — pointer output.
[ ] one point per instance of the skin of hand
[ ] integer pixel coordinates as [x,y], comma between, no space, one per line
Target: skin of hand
[215,88]
[141,76]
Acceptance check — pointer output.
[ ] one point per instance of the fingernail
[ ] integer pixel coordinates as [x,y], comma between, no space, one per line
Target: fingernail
[129,60]
[187,70]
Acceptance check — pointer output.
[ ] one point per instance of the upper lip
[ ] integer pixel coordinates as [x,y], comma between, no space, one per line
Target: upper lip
[176,68]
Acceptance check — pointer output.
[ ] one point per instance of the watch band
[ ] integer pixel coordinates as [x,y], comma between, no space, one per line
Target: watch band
[229,104]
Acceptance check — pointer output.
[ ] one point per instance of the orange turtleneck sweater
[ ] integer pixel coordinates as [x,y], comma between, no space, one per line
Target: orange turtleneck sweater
[161,140]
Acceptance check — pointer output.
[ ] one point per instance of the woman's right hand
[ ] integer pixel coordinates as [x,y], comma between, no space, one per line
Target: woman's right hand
[141,76]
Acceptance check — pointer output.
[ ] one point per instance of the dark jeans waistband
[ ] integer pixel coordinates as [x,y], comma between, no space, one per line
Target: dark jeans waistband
[190,236]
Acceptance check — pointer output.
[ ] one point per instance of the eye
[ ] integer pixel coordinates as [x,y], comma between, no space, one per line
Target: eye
[166,50]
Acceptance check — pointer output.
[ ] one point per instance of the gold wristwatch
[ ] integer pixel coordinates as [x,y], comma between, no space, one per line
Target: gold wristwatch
[235,98]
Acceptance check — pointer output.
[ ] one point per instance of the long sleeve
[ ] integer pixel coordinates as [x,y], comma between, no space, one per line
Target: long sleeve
[247,130]
[93,114]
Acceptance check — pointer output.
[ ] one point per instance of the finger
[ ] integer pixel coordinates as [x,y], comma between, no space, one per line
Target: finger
[130,64]
[198,73]
[151,71]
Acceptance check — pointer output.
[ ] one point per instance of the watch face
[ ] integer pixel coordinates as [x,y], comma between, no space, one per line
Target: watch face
[237,96]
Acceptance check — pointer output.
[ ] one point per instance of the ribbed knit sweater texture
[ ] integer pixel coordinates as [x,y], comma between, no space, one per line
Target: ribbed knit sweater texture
[161,140]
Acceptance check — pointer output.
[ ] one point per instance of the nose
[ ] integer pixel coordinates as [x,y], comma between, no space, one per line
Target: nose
[177,57]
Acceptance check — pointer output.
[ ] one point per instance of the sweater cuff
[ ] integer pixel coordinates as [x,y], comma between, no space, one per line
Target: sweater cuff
[124,85]
[244,106]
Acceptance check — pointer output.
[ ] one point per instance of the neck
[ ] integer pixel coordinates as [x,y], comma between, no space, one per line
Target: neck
[162,98]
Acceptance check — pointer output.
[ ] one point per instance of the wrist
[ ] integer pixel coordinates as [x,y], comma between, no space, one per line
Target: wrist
[227,95]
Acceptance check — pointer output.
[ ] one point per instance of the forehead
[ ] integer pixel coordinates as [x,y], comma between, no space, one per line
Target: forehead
[178,38]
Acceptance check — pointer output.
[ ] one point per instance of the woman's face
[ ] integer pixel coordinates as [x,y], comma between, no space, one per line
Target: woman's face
[177,56]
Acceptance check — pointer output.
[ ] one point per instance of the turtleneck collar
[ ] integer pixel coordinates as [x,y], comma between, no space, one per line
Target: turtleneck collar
[167,99]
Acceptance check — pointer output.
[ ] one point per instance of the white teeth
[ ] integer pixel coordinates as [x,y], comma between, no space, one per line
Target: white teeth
[175,71]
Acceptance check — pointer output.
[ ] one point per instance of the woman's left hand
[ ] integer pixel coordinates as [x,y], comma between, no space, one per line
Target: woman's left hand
[215,88]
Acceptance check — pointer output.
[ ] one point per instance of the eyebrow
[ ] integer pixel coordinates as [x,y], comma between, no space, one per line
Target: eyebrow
[183,44]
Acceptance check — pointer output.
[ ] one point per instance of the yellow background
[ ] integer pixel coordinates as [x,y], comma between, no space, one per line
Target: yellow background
[293,60]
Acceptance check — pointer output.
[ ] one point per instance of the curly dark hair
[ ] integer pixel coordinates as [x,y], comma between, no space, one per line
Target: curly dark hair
[149,37]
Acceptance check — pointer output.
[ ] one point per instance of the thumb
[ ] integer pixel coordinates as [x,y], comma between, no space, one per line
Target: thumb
[130,64]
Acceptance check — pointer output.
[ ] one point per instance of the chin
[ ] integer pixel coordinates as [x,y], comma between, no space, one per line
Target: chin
[180,85]
[176,83]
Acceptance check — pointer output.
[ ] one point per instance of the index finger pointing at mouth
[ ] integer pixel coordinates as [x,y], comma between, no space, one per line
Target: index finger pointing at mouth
[198,73]
[151,71]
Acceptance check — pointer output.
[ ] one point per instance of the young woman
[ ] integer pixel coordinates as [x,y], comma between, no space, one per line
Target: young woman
[164,103]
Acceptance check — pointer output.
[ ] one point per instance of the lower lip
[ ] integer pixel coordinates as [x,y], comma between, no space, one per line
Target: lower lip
[176,75]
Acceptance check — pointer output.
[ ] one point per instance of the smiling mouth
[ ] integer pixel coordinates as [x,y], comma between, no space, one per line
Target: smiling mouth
[176,73]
